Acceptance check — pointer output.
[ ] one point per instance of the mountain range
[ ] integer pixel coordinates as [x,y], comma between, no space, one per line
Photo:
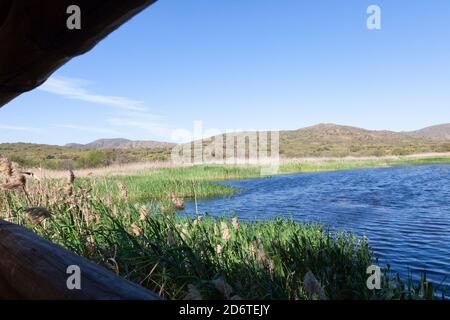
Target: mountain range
[324,139]
[438,132]
[121,143]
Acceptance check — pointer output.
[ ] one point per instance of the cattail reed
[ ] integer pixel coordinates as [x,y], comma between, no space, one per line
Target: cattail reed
[177,202]
[225,231]
[90,244]
[37,214]
[235,223]
[136,230]
[6,168]
[122,189]
[261,254]
[19,183]
[71,177]
[143,213]
[69,185]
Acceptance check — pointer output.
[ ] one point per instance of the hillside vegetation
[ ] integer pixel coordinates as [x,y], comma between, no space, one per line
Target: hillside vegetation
[323,140]
[121,144]
[62,158]
[438,132]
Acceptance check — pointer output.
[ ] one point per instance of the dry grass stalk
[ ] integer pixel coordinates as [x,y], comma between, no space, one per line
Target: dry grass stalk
[251,249]
[143,213]
[136,230]
[226,235]
[271,267]
[69,190]
[11,186]
[85,193]
[313,287]
[28,173]
[69,185]
[6,168]
[90,244]
[19,183]
[37,214]
[71,177]
[235,223]
[88,216]
[15,168]
[177,202]
[261,254]
[123,190]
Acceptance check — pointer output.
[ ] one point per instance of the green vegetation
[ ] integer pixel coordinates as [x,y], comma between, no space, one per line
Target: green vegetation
[324,140]
[64,158]
[352,164]
[197,181]
[185,182]
[182,257]
[330,140]
[129,225]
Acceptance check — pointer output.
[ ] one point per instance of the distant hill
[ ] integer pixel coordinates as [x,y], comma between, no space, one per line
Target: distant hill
[438,132]
[332,140]
[322,140]
[333,133]
[121,144]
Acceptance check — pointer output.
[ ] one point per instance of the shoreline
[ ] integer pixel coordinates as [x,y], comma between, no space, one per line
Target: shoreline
[287,165]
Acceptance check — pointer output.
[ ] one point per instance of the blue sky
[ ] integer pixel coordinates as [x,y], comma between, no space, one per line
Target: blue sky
[247,64]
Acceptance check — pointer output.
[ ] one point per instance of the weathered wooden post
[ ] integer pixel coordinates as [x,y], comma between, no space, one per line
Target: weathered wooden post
[34,268]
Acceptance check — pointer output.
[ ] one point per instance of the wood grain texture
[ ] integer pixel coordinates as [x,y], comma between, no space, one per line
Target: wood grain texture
[34,268]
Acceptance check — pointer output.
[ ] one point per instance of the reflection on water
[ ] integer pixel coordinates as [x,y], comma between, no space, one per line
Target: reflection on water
[404,211]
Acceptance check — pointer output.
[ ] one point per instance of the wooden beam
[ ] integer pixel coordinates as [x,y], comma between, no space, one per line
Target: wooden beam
[34,268]
[35,40]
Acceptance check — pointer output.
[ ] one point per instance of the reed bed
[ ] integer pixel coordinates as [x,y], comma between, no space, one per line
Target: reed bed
[183,257]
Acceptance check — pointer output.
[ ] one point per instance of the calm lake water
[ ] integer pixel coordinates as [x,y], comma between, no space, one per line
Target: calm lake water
[404,211]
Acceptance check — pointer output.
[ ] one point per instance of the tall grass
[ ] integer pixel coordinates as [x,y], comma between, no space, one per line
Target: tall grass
[183,257]
[188,182]
[351,164]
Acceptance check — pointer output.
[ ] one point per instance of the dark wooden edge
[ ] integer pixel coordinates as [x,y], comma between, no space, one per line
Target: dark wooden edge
[34,268]
[35,40]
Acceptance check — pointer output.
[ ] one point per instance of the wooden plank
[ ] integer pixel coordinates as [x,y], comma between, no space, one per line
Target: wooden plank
[34,268]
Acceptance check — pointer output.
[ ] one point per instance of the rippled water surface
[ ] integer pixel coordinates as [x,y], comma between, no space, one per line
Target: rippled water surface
[404,211]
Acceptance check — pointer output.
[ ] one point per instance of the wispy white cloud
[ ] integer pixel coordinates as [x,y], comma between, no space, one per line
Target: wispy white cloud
[128,118]
[85,128]
[76,89]
[23,129]
[144,122]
